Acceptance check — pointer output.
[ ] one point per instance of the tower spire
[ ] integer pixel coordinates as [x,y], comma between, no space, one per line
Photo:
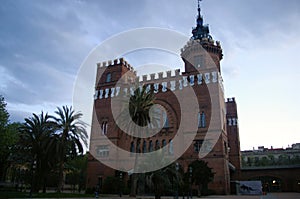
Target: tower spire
[199,9]
[200,31]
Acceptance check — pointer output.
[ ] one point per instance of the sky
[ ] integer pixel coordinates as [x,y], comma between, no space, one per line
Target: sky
[44,43]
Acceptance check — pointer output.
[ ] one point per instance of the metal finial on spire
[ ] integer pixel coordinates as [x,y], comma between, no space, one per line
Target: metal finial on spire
[199,9]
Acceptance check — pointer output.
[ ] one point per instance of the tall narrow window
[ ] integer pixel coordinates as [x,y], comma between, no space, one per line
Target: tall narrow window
[144,146]
[197,145]
[138,147]
[198,61]
[203,120]
[157,145]
[164,143]
[108,77]
[225,147]
[199,120]
[171,147]
[150,146]
[132,147]
[165,119]
[104,127]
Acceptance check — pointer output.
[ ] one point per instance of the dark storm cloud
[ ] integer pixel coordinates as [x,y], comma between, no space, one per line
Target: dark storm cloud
[43,43]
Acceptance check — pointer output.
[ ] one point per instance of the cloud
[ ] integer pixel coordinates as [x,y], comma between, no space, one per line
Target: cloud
[43,43]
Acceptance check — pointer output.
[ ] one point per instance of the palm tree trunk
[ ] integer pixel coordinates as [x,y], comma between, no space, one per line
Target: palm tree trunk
[135,175]
[60,177]
[199,190]
[44,184]
[133,185]
[61,164]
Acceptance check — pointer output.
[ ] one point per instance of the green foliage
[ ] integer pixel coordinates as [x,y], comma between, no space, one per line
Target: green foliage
[112,185]
[4,116]
[139,106]
[8,138]
[36,150]
[76,171]
[69,135]
[201,175]
[271,160]
[138,109]
[35,134]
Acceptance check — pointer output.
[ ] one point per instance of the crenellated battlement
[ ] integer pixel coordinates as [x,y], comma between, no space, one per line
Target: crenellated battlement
[159,76]
[120,61]
[193,43]
[162,82]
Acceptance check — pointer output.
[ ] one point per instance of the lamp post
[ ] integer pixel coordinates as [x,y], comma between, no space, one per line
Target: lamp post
[190,179]
[177,168]
[121,178]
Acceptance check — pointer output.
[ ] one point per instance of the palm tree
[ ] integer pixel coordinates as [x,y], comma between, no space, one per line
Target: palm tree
[70,133]
[35,133]
[139,107]
[202,174]
[164,179]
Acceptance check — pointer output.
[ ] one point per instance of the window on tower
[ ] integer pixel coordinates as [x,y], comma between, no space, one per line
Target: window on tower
[138,147]
[108,77]
[171,147]
[132,147]
[157,145]
[150,146]
[144,146]
[104,127]
[197,145]
[165,119]
[103,151]
[198,61]
[201,120]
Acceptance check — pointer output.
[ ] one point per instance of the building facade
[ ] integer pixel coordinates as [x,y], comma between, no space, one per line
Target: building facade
[216,140]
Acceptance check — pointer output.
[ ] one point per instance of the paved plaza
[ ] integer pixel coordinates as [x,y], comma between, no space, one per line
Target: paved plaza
[268,196]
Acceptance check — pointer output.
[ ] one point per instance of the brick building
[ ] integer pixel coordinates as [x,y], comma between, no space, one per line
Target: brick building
[216,138]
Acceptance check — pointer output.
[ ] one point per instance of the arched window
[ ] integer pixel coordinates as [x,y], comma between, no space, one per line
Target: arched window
[164,143]
[199,120]
[171,147]
[150,146]
[104,127]
[165,119]
[138,147]
[197,145]
[203,120]
[157,145]
[144,146]
[108,77]
[132,147]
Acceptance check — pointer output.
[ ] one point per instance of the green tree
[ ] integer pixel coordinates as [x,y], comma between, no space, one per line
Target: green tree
[4,116]
[201,174]
[8,139]
[77,168]
[70,134]
[35,134]
[139,107]
[163,179]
